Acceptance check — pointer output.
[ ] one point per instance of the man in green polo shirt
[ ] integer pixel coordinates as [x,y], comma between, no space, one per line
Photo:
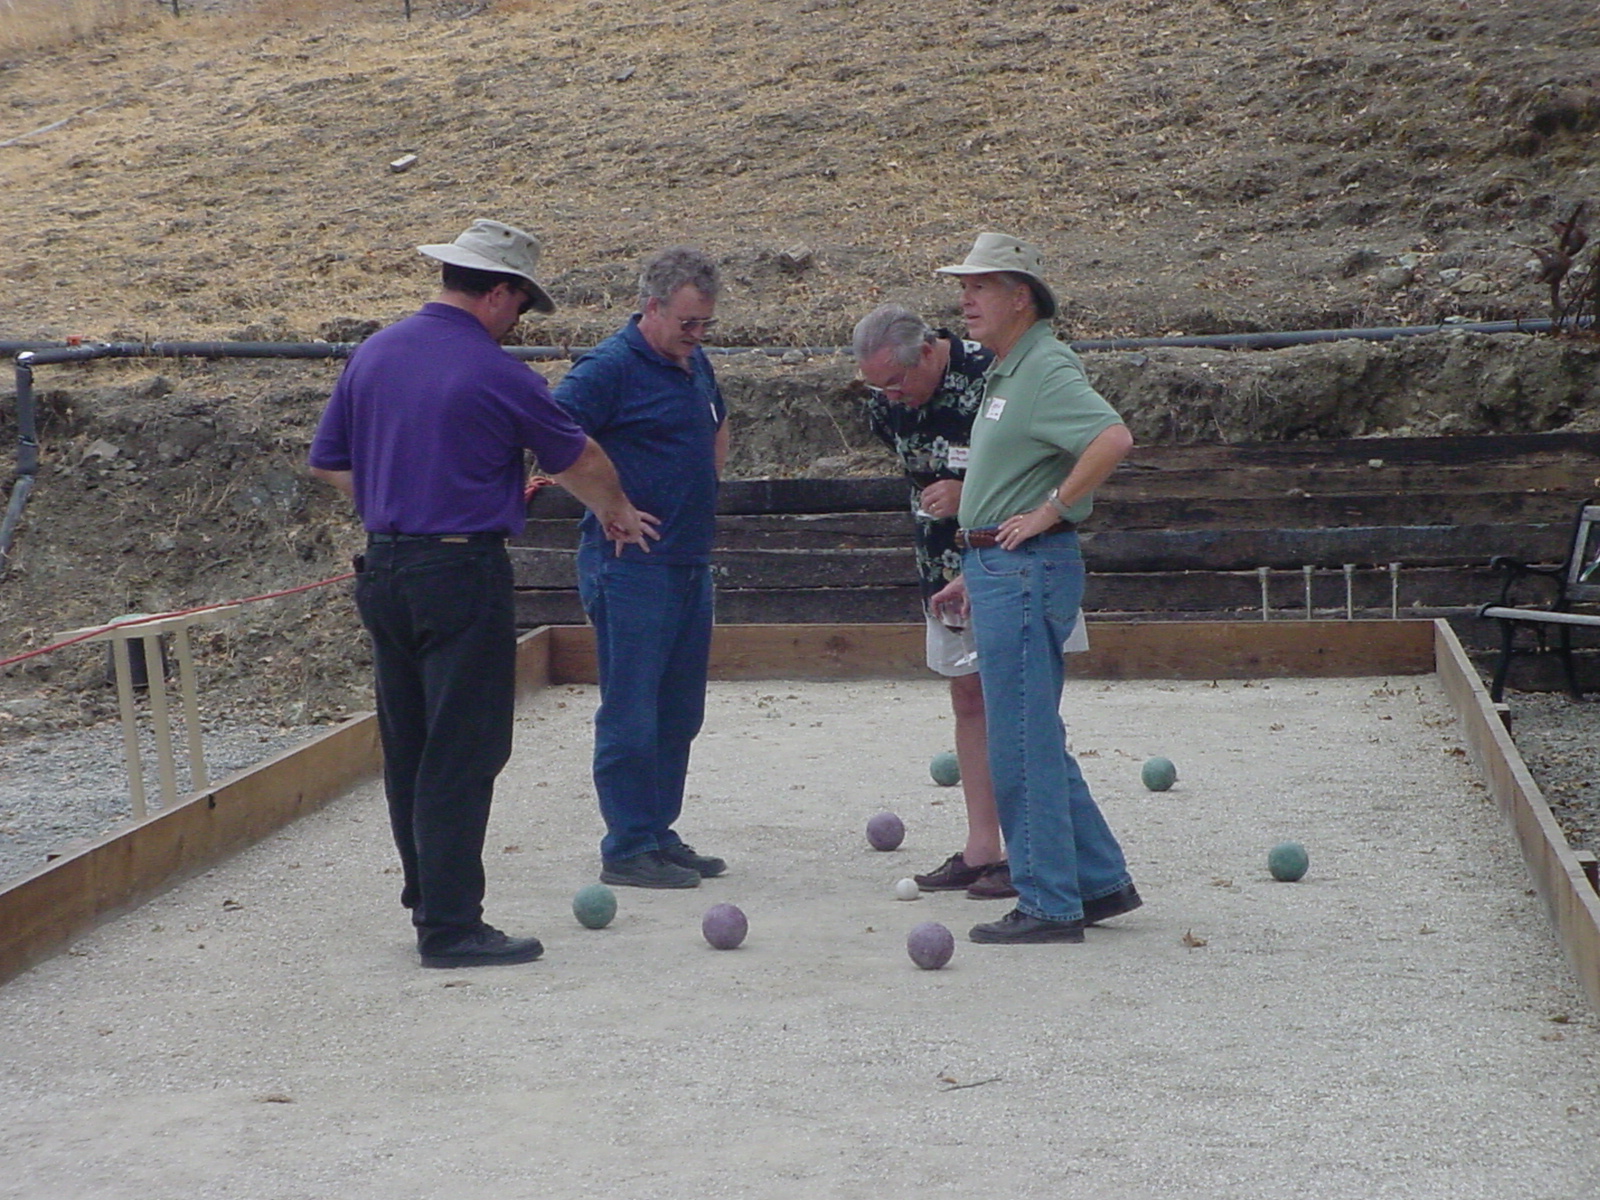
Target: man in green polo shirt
[1042,441]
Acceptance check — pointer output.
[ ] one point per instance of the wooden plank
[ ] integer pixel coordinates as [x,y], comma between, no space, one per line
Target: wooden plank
[1333,510]
[1261,479]
[544,568]
[1188,594]
[47,908]
[533,661]
[776,652]
[1253,650]
[753,606]
[1149,650]
[1570,903]
[875,494]
[1459,553]
[767,531]
[1476,448]
[1117,550]
[1548,515]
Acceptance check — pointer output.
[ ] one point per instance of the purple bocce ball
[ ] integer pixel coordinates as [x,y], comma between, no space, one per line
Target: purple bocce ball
[930,945]
[724,926]
[886,831]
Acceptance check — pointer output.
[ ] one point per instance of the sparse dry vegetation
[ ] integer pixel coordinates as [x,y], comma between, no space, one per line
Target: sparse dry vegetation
[1189,166]
[35,24]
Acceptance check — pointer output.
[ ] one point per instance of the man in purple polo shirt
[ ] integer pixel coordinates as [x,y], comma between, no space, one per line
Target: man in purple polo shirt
[426,432]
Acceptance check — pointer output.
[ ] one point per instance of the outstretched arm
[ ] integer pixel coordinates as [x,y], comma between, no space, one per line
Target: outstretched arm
[593,480]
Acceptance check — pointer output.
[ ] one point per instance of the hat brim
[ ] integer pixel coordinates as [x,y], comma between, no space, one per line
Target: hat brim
[456,256]
[1042,291]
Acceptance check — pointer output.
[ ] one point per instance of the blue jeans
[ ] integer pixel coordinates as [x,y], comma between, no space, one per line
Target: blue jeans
[1024,604]
[652,627]
[444,653]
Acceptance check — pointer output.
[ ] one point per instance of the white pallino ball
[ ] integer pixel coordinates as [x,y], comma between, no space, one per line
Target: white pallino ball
[907,889]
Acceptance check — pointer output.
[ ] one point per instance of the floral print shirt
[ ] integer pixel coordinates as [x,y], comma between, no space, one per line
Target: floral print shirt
[931,441]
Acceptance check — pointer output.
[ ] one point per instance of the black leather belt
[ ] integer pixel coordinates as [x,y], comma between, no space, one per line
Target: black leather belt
[460,539]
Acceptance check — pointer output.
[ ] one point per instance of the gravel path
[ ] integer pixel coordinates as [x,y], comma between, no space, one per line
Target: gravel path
[1560,741]
[57,789]
[60,788]
[1399,1024]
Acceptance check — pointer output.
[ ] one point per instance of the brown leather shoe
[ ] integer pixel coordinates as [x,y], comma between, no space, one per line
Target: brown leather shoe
[952,875]
[994,884]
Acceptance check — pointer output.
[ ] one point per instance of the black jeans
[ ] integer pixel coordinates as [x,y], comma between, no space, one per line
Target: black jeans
[444,650]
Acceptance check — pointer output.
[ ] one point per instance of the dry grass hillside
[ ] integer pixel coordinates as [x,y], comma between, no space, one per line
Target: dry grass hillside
[1188,165]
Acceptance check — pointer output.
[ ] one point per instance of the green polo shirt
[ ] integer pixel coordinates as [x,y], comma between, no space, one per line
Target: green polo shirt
[1039,413]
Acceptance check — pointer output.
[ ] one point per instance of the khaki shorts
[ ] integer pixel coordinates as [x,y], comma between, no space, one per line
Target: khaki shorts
[954,652]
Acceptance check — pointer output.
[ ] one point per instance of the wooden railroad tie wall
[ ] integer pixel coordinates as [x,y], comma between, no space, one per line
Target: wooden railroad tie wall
[1179,532]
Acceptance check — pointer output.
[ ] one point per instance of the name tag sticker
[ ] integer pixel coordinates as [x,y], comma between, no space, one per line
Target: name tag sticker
[995,408]
[956,457]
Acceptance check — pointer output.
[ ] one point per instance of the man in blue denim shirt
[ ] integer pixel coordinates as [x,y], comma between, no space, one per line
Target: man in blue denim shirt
[648,396]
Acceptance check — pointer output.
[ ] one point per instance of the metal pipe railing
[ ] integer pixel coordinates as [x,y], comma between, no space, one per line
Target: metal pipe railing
[31,354]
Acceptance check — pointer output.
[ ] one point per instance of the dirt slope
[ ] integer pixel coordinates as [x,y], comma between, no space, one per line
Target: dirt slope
[1187,164]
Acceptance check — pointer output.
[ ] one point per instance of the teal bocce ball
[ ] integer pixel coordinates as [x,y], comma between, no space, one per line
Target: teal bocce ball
[594,906]
[1158,774]
[945,769]
[1288,862]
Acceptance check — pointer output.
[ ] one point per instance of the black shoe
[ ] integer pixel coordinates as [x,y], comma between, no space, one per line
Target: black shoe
[1123,900]
[485,946]
[1018,928]
[706,866]
[652,869]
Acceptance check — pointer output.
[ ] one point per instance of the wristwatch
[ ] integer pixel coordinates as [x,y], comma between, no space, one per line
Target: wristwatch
[1053,499]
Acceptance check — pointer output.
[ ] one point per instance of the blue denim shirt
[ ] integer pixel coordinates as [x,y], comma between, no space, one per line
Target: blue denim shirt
[659,423]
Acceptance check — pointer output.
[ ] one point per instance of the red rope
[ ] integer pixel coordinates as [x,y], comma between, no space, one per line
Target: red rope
[183,612]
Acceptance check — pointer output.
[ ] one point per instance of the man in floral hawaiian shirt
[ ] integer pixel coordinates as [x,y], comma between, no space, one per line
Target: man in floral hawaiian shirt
[925,387]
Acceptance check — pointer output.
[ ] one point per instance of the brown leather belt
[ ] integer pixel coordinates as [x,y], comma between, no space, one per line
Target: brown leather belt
[976,539]
[982,539]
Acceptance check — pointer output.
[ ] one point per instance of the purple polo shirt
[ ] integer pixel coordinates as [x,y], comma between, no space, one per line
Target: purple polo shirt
[432,417]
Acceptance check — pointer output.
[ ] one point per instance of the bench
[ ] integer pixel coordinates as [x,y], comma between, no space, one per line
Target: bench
[1538,599]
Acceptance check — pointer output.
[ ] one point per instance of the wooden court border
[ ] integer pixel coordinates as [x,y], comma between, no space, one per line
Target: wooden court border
[45,910]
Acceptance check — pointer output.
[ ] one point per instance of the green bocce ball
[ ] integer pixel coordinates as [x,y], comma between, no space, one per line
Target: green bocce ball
[1158,774]
[1288,862]
[594,906]
[945,769]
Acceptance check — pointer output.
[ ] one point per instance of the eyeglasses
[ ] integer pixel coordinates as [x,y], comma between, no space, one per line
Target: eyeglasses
[895,383]
[697,324]
[527,302]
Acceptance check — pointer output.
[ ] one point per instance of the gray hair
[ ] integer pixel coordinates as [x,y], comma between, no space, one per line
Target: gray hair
[665,271]
[1044,305]
[894,327]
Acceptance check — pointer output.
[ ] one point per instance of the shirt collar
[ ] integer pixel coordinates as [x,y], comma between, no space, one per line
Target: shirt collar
[457,316]
[1035,333]
[636,340]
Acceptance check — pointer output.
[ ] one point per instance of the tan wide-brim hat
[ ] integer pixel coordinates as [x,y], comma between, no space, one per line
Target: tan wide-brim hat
[1002,252]
[492,246]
